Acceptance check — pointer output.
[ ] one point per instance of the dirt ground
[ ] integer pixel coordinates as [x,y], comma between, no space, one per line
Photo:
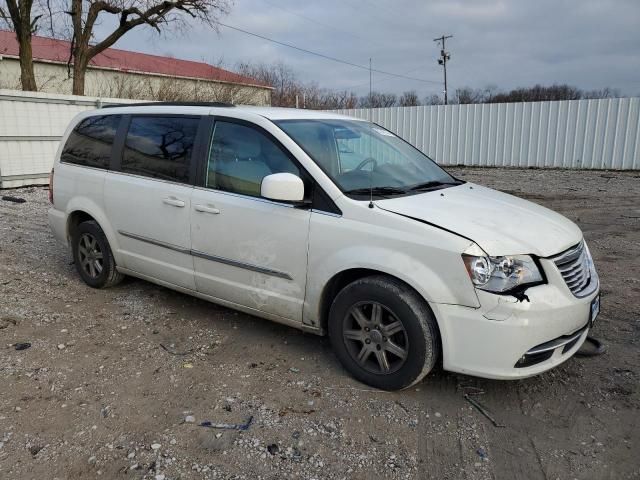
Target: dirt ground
[114,378]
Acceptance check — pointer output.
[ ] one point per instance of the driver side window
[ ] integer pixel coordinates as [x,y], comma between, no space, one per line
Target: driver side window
[241,156]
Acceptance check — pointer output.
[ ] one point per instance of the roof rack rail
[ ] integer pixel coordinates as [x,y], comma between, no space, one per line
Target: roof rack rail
[172,104]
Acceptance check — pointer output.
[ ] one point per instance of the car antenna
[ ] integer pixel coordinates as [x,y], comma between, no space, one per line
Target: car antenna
[370,133]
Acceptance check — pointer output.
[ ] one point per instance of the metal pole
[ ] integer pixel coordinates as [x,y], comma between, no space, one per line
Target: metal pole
[444,57]
[370,84]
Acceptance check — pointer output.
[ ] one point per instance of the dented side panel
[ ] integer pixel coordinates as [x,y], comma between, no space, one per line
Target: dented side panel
[427,258]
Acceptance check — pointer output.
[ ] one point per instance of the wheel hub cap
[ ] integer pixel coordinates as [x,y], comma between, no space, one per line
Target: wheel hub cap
[376,336]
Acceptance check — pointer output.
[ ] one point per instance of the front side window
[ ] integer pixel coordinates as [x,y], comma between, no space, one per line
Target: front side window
[241,156]
[359,156]
[90,143]
[160,147]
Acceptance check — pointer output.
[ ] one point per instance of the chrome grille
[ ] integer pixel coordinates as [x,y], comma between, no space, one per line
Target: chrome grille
[574,266]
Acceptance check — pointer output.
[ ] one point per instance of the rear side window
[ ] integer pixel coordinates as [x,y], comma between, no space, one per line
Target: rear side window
[160,147]
[90,143]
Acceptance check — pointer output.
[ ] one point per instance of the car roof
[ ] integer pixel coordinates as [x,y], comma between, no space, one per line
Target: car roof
[272,113]
[277,113]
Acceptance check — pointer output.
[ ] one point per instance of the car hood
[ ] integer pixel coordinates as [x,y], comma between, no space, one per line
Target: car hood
[499,223]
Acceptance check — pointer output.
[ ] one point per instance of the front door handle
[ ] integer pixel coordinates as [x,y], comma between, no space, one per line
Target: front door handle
[173,201]
[207,209]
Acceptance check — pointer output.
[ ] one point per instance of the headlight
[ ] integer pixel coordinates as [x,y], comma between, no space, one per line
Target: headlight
[501,274]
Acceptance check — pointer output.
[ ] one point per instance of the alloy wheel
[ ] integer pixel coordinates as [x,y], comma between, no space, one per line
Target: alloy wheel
[90,255]
[375,338]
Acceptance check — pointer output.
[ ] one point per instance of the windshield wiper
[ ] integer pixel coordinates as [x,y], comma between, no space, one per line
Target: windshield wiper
[432,184]
[377,191]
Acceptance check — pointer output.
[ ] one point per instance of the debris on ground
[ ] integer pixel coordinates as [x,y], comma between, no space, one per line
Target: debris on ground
[9,198]
[592,347]
[170,349]
[21,345]
[228,426]
[482,453]
[483,410]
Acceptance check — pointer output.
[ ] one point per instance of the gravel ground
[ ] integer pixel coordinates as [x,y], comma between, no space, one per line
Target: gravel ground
[115,379]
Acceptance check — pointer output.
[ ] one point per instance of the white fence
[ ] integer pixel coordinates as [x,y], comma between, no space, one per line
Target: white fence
[600,134]
[31,125]
[570,134]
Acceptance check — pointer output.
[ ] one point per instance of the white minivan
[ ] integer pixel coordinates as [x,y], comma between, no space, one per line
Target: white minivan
[329,224]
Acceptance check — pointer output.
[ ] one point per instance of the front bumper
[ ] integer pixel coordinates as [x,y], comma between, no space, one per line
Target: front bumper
[491,341]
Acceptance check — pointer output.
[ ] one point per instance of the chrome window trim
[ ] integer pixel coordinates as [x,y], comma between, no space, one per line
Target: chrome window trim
[146,177]
[206,256]
[248,197]
[69,164]
[329,214]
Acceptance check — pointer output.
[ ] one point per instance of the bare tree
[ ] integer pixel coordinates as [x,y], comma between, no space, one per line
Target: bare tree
[409,99]
[466,95]
[159,14]
[433,99]
[317,98]
[280,76]
[17,14]
[378,100]
[602,93]
[539,93]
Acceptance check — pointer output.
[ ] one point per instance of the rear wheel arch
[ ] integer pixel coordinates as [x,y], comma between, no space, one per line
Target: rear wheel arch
[83,212]
[92,254]
[74,219]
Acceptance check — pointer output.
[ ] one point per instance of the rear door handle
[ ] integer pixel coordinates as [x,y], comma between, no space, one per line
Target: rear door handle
[173,201]
[207,209]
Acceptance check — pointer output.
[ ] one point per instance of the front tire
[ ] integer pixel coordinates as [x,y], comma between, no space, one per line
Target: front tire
[93,257]
[383,333]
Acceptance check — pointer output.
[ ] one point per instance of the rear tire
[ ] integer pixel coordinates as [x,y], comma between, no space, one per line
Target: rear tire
[384,333]
[93,257]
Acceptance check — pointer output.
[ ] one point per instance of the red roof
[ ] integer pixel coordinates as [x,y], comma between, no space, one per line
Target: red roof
[53,50]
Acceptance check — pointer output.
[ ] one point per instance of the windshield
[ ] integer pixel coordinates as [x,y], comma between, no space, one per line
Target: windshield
[360,155]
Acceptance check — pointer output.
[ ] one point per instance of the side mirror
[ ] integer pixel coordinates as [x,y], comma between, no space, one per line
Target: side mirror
[283,187]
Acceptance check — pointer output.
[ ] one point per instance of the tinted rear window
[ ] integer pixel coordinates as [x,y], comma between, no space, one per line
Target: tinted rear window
[160,147]
[90,142]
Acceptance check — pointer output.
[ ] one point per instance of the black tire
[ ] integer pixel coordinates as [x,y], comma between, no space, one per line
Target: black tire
[93,257]
[384,301]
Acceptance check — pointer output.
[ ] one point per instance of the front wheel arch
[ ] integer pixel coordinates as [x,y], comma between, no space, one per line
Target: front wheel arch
[344,278]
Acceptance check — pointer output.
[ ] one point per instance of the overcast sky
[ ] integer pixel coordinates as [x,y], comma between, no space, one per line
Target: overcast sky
[587,43]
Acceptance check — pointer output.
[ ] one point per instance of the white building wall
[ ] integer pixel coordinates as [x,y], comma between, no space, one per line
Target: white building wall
[597,134]
[54,78]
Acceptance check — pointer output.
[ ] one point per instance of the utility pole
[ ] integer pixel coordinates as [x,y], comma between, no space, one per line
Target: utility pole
[370,84]
[444,58]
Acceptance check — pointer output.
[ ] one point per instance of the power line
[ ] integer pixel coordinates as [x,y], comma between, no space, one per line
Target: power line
[326,57]
[378,82]
[317,22]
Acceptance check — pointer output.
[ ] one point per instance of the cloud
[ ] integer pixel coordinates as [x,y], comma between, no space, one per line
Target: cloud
[587,43]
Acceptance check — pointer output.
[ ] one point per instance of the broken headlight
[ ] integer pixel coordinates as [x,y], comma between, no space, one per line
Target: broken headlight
[500,274]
